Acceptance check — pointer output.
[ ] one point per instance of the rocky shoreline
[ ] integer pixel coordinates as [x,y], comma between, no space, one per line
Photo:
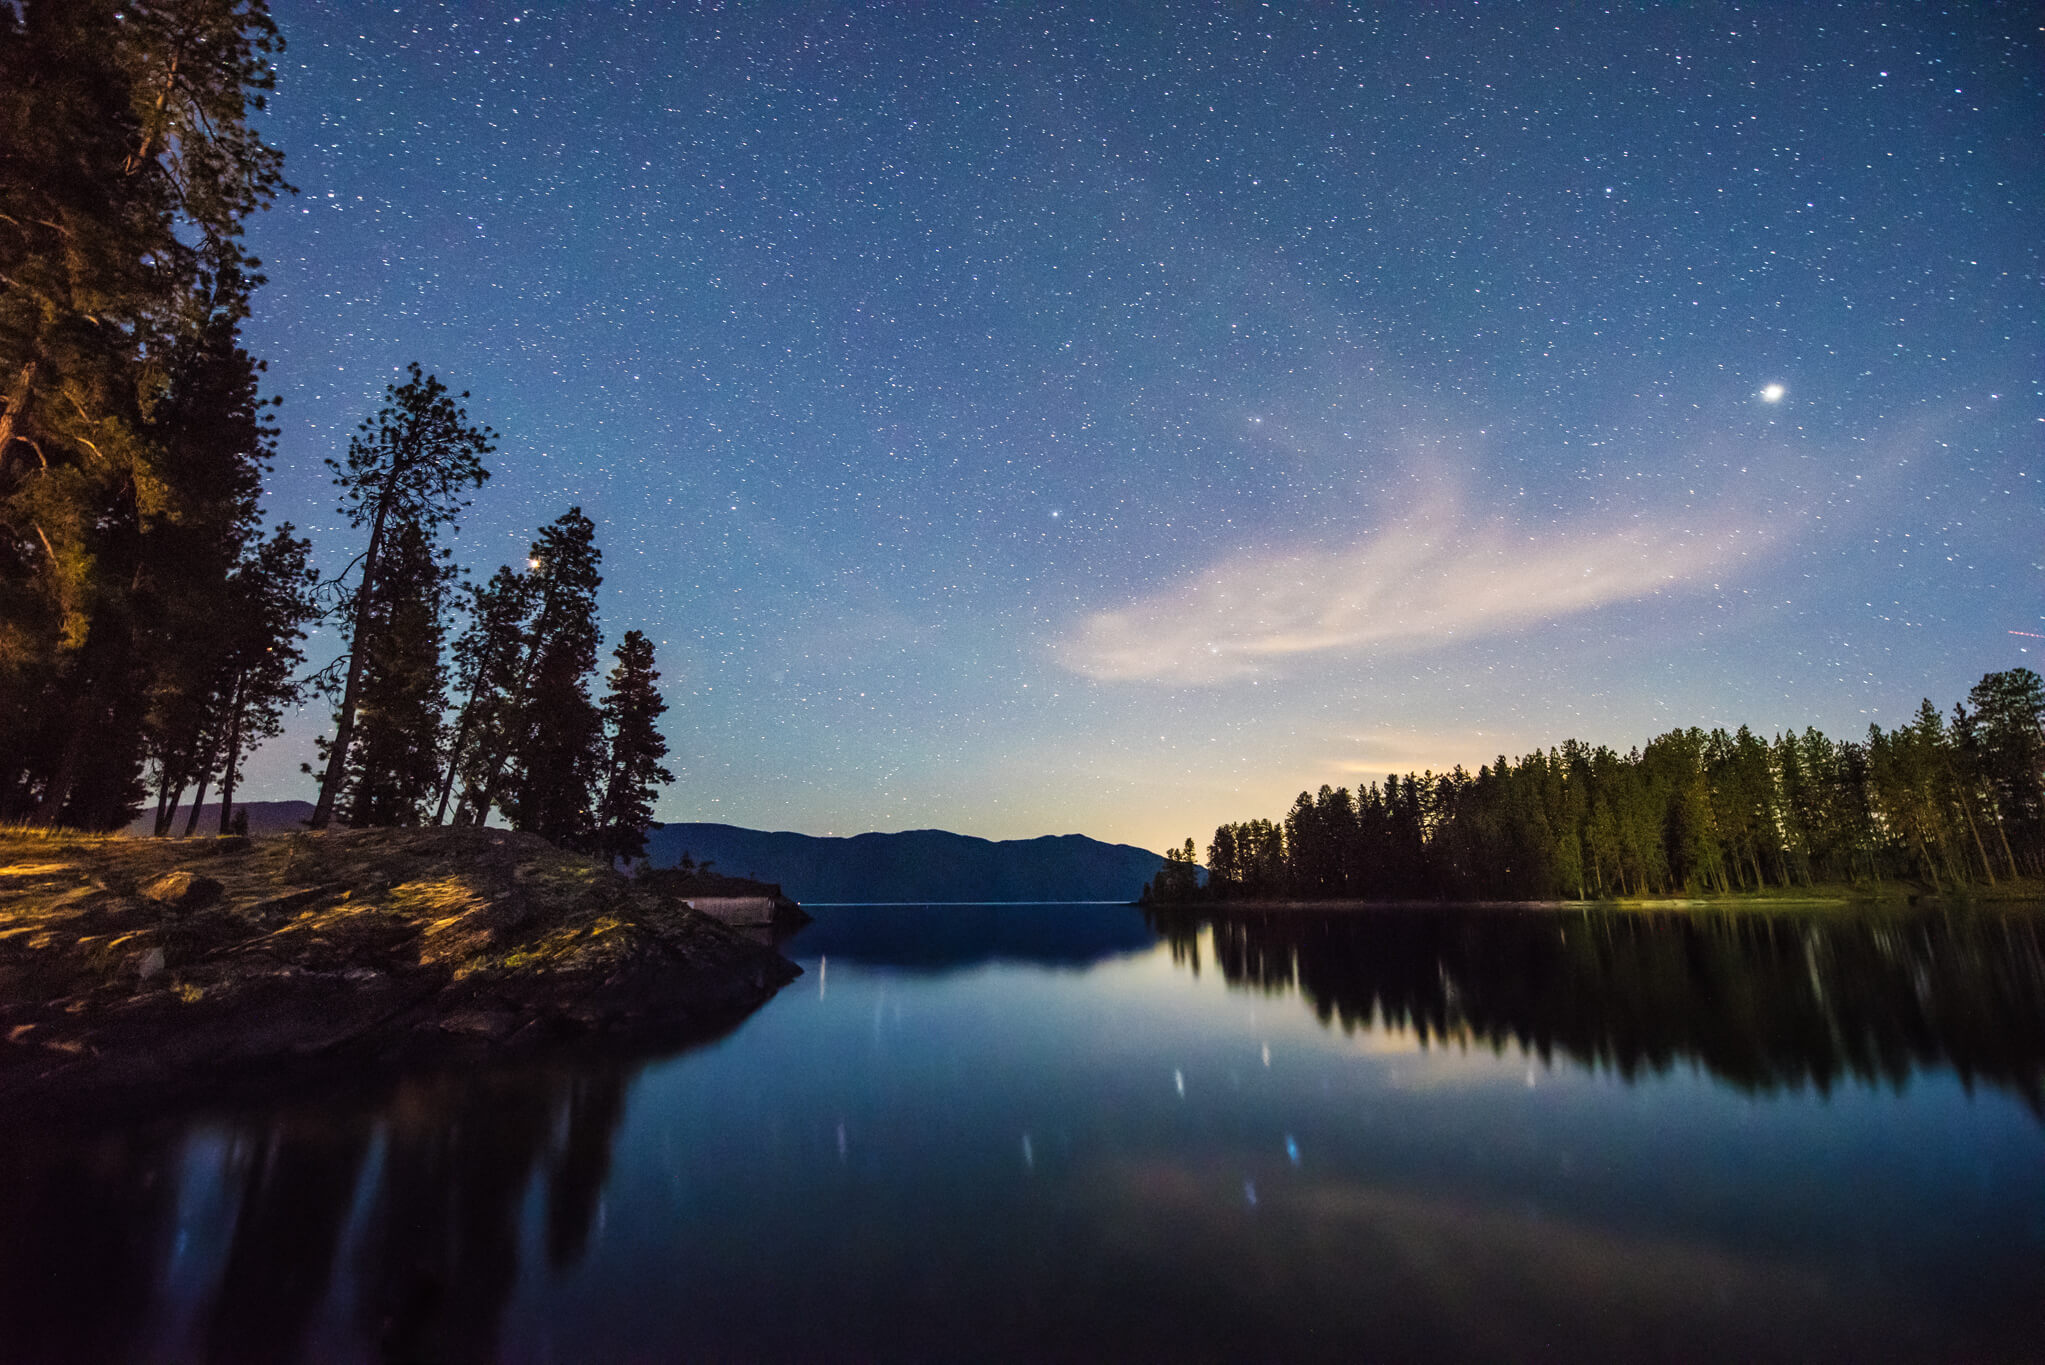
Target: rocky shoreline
[131,964]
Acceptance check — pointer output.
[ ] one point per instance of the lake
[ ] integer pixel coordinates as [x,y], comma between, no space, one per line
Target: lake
[1080,1133]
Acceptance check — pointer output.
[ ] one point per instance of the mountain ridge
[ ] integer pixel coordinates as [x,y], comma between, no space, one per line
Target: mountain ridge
[904,867]
[920,865]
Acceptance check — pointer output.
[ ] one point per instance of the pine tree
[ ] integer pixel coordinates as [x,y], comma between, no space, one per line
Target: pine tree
[408,469]
[551,769]
[632,707]
[2009,718]
[271,597]
[1224,866]
[215,443]
[1178,880]
[129,166]
[489,657]
[392,772]
[247,665]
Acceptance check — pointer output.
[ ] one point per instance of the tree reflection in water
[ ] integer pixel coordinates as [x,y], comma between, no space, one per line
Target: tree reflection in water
[440,1254]
[296,1182]
[433,1243]
[1764,1000]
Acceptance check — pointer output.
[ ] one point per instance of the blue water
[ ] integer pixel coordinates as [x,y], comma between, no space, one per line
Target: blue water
[1049,1133]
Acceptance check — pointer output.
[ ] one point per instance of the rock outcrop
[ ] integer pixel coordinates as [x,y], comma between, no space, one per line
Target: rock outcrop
[130,961]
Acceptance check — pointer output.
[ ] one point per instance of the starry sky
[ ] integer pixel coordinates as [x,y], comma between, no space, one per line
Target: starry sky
[1114,418]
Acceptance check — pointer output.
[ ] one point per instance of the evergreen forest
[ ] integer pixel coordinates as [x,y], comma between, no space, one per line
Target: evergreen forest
[1944,802]
[152,619]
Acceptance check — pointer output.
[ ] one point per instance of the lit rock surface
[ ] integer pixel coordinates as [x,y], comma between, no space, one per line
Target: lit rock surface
[129,961]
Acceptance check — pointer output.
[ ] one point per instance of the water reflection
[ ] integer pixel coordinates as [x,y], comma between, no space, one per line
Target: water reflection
[1026,1161]
[296,1182]
[412,1194]
[1762,1000]
[946,938]
[85,1225]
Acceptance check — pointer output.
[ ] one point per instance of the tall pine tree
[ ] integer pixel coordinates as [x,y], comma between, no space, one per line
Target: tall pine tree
[392,771]
[632,709]
[127,166]
[271,598]
[241,675]
[409,468]
[552,768]
[489,659]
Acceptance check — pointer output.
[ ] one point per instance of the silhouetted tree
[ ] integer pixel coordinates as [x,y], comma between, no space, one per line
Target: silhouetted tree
[489,659]
[1178,880]
[407,468]
[2009,734]
[249,661]
[392,772]
[553,763]
[631,710]
[271,598]
[1704,811]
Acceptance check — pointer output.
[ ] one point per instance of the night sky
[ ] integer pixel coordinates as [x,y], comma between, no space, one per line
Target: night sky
[1115,418]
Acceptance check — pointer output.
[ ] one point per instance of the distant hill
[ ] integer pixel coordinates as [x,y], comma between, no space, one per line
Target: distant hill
[921,865]
[265,817]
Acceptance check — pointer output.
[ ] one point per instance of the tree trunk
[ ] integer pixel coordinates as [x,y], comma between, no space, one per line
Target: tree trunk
[142,154]
[17,404]
[233,757]
[344,720]
[461,739]
[1967,809]
[1924,860]
[206,762]
[2002,835]
[167,804]
[198,802]
[454,759]
[58,792]
[478,804]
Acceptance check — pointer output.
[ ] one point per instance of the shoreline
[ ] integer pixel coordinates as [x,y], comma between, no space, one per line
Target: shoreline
[1898,898]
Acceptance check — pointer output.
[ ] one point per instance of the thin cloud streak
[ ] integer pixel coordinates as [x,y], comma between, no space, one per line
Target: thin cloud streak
[1428,582]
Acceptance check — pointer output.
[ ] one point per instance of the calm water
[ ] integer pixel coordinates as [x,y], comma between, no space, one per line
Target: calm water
[1063,1132]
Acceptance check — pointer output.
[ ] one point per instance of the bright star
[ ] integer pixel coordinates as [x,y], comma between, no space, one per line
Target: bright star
[1773,393]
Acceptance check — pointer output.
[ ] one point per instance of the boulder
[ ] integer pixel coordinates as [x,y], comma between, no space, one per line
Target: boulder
[182,890]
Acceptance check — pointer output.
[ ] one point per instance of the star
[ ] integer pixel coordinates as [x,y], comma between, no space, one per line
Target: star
[997,407]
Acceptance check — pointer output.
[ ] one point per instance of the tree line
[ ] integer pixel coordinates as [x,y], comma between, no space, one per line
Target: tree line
[501,717]
[1943,801]
[151,624]
[133,438]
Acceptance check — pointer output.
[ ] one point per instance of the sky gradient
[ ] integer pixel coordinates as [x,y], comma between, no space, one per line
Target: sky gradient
[1113,419]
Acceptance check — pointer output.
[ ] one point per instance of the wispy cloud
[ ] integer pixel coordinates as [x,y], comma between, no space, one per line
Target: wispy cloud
[1425,581]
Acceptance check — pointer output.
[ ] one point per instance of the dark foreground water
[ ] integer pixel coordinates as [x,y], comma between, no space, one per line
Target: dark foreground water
[1063,1132]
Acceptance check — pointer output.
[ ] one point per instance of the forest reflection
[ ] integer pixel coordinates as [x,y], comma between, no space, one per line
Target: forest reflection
[1763,1001]
[413,1195]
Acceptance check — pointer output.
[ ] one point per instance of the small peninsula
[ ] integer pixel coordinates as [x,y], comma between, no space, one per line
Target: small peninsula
[129,963]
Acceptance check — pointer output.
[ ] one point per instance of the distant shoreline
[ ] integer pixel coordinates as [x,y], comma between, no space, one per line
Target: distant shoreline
[1887,897]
